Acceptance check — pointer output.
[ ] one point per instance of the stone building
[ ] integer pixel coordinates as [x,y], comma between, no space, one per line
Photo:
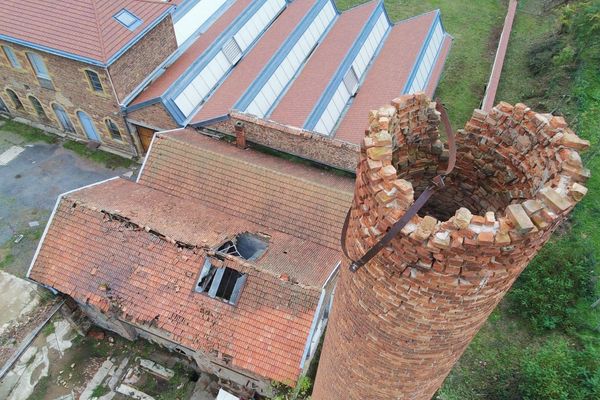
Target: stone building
[68,65]
[225,255]
[400,323]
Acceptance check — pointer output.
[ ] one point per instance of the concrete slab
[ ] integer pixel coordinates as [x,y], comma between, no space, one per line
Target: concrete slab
[97,379]
[133,392]
[10,154]
[18,297]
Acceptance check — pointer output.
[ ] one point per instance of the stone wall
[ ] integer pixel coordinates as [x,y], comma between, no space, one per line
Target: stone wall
[71,90]
[292,140]
[400,323]
[129,70]
[153,116]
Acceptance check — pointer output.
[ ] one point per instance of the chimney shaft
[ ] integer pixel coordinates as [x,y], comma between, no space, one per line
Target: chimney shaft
[240,135]
[400,322]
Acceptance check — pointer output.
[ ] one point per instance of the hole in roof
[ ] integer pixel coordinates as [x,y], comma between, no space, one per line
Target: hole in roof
[128,19]
[246,245]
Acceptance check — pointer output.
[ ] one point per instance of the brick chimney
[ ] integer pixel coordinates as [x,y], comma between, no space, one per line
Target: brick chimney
[240,135]
[400,323]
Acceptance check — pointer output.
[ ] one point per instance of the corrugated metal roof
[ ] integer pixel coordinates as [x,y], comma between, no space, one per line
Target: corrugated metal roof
[83,29]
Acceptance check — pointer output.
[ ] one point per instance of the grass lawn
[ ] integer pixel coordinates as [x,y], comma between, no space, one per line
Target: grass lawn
[28,133]
[475,26]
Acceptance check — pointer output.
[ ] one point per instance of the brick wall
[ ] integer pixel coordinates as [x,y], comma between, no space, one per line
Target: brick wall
[296,141]
[153,116]
[71,90]
[400,323]
[129,70]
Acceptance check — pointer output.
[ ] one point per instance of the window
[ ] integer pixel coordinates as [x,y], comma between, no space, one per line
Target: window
[39,67]
[232,51]
[115,133]
[15,99]
[37,106]
[128,19]
[63,118]
[94,80]
[11,56]
[223,283]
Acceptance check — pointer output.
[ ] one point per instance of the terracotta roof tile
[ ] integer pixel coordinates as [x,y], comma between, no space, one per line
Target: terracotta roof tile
[294,199]
[387,76]
[308,87]
[84,28]
[151,283]
[252,64]
[146,242]
[192,53]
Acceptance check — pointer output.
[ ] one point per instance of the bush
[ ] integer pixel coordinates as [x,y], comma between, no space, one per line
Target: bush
[560,371]
[548,291]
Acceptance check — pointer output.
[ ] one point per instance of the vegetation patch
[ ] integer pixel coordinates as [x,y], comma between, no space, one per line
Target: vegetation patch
[99,391]
[28,133]
[109,160]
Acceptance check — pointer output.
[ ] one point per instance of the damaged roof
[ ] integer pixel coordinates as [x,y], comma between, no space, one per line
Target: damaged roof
[137,249]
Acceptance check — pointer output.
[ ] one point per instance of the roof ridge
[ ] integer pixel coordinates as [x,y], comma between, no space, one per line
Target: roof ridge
[97,22]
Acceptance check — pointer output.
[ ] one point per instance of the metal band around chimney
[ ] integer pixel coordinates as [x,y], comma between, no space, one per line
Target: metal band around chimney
[437,184]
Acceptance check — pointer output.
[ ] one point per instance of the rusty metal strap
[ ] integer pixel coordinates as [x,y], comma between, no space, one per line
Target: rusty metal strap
[437,184]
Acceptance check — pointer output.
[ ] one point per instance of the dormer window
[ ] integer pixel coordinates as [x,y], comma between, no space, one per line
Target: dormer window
[223,283]
[128,19]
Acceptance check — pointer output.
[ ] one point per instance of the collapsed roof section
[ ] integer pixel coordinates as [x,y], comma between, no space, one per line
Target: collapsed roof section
[300,63]
[158,253]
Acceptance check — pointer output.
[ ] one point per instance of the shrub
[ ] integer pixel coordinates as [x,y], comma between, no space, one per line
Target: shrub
[549,289]
[560,371]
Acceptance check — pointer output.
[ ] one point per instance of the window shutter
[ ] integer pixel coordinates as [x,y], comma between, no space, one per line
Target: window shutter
[216,282]
[232,51]
[351,81]
[237,289]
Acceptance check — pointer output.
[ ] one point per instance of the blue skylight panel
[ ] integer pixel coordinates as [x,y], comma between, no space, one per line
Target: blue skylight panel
[128,19]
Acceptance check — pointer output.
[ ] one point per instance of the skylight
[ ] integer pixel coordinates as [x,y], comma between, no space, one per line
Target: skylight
[128,19]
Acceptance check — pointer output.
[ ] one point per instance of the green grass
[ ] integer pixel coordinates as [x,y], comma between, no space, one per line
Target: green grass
[99,391]
[475,26]
[30,134]
[49,329]
[109,160]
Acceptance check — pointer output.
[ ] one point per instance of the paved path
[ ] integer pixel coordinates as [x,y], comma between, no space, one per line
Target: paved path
[30,182]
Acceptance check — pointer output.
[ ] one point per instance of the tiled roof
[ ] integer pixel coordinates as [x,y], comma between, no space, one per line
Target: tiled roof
[136,249]
[297,103]
[192,222]
[294,199]
[151,283]
[250,66]
[81,28]
[196,49]
[388,75]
